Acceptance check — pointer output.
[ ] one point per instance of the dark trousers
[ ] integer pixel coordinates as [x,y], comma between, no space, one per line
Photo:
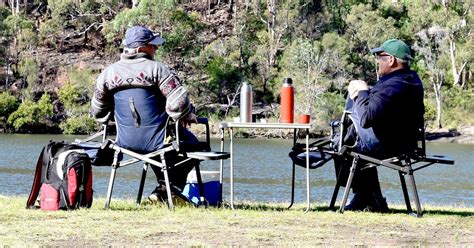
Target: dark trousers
[365,181]
[178,174]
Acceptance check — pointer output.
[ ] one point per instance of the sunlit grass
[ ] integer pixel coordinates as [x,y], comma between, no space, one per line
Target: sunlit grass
[251,224]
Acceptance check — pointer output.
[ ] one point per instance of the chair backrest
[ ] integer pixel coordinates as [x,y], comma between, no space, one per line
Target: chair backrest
[140,118]
[420,150]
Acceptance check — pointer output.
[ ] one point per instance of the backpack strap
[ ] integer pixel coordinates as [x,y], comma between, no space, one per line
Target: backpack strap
[38,179]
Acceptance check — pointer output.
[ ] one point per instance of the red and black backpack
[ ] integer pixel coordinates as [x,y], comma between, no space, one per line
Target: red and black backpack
[63,176]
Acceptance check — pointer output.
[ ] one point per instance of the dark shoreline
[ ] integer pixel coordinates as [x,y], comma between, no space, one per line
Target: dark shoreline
[463,136]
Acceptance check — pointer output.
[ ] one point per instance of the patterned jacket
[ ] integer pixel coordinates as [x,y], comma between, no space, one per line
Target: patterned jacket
[138,70]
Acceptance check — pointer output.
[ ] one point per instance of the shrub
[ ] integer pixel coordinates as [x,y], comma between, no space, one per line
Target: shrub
[32,114]
[8,104]
[83,124]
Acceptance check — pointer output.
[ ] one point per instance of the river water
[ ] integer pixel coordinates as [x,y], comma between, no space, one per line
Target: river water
[262,173]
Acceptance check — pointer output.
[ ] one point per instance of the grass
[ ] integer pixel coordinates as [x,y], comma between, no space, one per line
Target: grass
[255,224]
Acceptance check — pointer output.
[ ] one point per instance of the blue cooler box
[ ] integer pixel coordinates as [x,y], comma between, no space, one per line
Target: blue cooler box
[212,188]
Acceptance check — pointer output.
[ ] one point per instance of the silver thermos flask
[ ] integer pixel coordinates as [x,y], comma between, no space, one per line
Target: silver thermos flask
[246,103]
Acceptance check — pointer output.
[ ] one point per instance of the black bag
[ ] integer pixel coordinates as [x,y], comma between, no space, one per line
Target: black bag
[64,177]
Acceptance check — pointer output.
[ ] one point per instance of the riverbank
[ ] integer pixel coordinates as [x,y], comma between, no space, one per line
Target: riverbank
[255,224]
[462,135]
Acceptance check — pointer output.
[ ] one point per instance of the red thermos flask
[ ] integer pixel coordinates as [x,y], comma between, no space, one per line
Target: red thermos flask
[287,101]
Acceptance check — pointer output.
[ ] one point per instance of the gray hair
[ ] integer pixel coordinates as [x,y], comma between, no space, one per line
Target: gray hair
[404,63]
[130,51]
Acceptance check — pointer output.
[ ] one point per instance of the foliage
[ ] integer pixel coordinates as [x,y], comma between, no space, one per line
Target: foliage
[14,23]
[82,124]
[78,88]
[223,77]
[182,38]
[4,13]
[215,45]
[29,68]
[329,107]
[458,106]
[68,19]
[367,29]
[75,97]
[8,104]
[430,112]
[31,114]
[151,13]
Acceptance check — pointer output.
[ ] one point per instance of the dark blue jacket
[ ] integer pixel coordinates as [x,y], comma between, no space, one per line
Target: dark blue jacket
[394,109]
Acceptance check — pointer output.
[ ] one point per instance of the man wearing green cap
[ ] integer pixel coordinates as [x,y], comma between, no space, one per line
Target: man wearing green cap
[392,111]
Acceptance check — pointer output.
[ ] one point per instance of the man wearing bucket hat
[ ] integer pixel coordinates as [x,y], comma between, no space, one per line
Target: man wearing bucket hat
[391,112]
[137,69]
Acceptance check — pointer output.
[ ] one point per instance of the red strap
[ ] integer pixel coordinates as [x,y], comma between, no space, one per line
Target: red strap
[35,188]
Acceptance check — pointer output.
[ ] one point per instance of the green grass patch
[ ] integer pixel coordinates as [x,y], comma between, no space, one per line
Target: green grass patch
[262,224]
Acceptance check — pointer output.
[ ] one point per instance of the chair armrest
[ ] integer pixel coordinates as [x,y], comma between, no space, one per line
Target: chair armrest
[439,159]
[201,146]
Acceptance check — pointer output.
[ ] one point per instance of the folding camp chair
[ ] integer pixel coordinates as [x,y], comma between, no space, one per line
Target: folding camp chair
[325,149]
[201,152]
[406,164]
[135,123]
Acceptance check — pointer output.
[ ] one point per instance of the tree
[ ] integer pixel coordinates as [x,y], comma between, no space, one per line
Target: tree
[75,96]
[278,16]
[15,27]
[442,35]
[305,61]
[428,47]
[367,29]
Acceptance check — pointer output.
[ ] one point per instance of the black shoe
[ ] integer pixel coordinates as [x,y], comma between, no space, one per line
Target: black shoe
[158,195]
[358,203]
[378,204]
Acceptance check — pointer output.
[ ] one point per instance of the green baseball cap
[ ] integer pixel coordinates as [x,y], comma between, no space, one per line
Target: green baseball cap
[394,47]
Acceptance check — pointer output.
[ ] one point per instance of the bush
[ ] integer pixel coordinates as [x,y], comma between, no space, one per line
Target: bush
[458,106]
[78,125]
[8,104]
[31,114]
[430,112]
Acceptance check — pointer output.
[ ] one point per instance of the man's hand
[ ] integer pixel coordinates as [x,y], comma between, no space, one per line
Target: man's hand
[188,120]
[355,86]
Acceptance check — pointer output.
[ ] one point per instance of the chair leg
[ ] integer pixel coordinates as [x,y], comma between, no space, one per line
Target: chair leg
[334,197]
[142,184]
[336,190]
[405,191]
[292,186]
[202,198]
[419,212]
[115,165]
[349,183]
[167,182]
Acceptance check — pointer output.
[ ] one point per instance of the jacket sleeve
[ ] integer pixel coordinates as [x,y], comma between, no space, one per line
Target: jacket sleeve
[102,101]
[178,105]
